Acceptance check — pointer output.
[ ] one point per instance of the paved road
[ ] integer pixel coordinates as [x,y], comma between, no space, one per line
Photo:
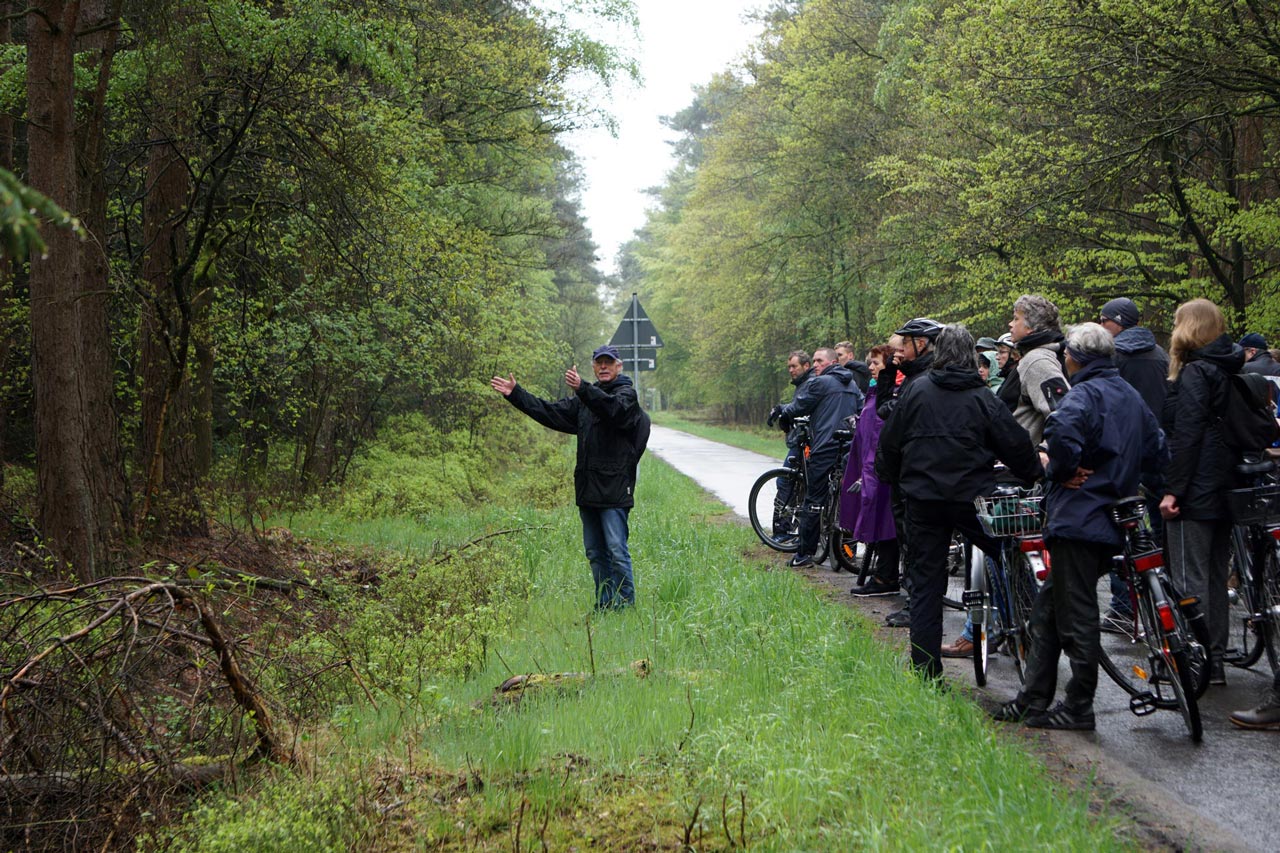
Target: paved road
[1222,792]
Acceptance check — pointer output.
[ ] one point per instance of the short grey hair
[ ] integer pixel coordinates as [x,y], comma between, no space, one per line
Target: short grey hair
[1092,340]
[954,345]
[1039,312]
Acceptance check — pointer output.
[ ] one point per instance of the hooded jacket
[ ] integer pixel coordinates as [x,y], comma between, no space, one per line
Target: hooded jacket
[606,418]
[1144,365]
[1201,470]
[827,398]
[945,435]
[1262,363]
[1100,426]
[888,394]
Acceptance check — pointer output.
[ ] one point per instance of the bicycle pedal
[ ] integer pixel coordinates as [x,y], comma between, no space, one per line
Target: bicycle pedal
[1143,704]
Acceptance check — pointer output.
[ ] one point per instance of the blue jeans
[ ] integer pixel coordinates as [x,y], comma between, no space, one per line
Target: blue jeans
[604,535]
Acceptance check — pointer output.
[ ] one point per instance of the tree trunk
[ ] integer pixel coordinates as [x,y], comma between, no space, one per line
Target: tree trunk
[77,452]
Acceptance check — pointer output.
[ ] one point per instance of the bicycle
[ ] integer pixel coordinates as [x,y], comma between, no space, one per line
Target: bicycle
[781,532]
[1254,542]
[1169,641]
[1000,592]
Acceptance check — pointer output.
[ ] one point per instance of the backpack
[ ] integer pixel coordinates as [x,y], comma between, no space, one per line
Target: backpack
[1248,422]
[640,435]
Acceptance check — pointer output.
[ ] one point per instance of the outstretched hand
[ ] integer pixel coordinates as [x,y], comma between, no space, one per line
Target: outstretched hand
[503,386]
[572,379]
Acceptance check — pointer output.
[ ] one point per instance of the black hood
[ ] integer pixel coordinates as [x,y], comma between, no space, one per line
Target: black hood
[619,381]
[1221,352]
[839,372]
[955,377]
[1135,340]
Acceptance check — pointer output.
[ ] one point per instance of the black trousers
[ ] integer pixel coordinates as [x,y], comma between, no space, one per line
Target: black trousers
[929,525]
[1064,618]
[815,486]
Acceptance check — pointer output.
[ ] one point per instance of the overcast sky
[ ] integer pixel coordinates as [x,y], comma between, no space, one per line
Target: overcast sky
[683,44]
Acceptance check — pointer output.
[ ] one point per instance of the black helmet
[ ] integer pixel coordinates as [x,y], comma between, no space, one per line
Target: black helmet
[920,327]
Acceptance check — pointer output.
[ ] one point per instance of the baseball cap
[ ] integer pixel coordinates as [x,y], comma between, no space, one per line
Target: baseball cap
[1253,340]
[607,350]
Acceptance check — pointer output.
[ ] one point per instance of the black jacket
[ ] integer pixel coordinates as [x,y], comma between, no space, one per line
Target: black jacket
[1201,470]
[1144,365]
[1099,425]
[1011,389]
[945,435]
[1262,363]
[828,398]
[861,375]
[793,439]
[606,419]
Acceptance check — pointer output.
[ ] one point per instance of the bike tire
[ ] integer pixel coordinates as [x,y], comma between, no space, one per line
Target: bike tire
[761,507]
[826,521]
[957,573]
[981,615]
[1184,688]
[844,551]
[1246,611]
[1022,597]
[1190,620]
[1268,586]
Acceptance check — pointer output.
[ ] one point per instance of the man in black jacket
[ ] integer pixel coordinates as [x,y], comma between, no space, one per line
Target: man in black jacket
[939,449]
[612,431]
[1257,358]
[827,398]
[800,369]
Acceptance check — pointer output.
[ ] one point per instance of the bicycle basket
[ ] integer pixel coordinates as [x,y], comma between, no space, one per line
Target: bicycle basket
[1257,505]
[1010,515]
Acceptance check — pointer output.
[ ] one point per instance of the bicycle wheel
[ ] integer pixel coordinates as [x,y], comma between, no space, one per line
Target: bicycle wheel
[1022,589]
[981,614]
[1245,609]
[1193,632]
[844,551]
[1268,586]
[777,522]
[1184,689]
[826,522]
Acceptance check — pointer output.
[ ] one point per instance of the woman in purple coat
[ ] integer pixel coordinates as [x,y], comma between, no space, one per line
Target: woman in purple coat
[864,506]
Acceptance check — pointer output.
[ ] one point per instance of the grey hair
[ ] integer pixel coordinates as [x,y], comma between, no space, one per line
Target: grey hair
[1039,312]
[954,345]
[1090,339]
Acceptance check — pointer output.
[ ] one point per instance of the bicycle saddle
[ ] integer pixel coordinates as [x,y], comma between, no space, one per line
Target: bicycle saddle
[1250,469]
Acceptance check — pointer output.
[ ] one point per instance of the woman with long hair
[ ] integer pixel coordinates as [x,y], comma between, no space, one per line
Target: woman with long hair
[1198,531]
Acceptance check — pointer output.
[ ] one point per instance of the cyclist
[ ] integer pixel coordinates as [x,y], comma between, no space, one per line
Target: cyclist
[1034,328]
[800,369]
[1010,386]
[939,449]
[913,354]
[1145,365]
[1194,506]
[612,431]
[827,398]
[1098,442]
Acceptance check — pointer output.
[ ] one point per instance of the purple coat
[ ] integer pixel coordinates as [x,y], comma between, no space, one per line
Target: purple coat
[867,513]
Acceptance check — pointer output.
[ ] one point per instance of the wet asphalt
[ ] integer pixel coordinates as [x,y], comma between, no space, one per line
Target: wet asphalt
[1220,794]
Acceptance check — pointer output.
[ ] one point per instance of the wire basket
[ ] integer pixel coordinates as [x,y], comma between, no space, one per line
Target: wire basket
[1010,515]
[1256,505]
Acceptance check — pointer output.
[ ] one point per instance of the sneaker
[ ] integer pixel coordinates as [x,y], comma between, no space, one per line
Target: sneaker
[786,539]
[1114,622]
[899,619]
[961,648]
[1012,711]
[875,587]
[800,561]
[1265,717]
[1061,718]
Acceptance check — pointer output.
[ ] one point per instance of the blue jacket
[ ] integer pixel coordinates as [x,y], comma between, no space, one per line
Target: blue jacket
[1103,425]
[827,398]
[1144,365]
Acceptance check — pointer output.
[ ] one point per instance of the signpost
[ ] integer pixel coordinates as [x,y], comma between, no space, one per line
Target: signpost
[637,341]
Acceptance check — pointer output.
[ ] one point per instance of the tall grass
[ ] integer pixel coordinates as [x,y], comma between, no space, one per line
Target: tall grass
[769,717]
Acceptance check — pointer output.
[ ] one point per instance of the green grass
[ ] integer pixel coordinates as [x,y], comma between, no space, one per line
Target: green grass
[770,718]
[759,439]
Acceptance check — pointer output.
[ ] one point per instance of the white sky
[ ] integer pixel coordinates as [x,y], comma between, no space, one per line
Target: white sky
[683,44]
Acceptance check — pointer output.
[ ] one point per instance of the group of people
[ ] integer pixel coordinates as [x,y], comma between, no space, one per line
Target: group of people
[1099,412]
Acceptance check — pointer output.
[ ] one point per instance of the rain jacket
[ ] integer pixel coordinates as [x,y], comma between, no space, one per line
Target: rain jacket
[1144,365]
